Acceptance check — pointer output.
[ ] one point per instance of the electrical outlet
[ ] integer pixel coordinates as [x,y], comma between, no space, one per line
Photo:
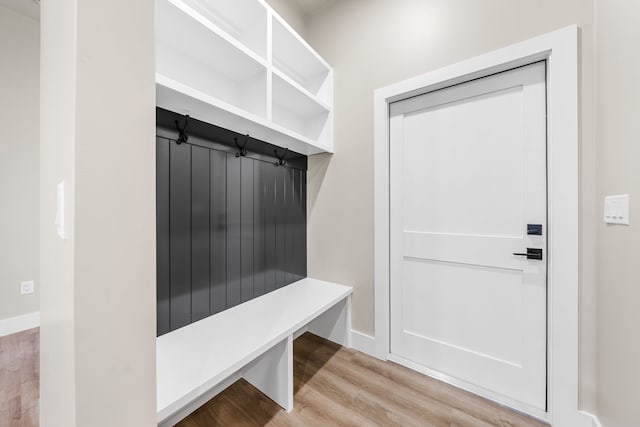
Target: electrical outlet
[26,287]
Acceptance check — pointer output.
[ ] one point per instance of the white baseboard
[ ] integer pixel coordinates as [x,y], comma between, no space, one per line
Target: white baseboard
[363,342]
[596,422]
[19,323]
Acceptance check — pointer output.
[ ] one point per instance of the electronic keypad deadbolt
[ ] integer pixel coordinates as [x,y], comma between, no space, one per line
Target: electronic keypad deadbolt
[534,229]
[532,253]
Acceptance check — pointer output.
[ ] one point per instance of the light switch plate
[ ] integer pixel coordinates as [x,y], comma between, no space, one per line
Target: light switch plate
[60,217]
[616,209]
[26,287]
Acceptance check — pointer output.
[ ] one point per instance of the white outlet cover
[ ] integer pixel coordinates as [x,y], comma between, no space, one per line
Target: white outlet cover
[616,209]
[26,287]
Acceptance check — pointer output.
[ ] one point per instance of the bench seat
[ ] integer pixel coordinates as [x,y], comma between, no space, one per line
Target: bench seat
[253,340]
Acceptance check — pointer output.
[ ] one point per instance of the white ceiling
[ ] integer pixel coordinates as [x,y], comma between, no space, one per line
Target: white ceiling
[29,8]
[308,7]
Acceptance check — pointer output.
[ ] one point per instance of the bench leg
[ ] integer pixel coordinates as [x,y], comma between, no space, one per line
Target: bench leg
[272,373]
[334,324]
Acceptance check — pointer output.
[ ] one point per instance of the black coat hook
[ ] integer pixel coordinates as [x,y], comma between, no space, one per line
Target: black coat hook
[242,150]
[182,131]
[281,159]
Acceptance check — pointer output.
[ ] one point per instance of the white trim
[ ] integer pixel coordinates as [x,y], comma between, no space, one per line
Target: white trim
[363,343]
[16,324]
[560,49]
[594,420]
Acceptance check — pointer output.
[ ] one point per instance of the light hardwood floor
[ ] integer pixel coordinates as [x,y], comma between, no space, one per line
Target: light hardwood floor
[19,379]
[335,386]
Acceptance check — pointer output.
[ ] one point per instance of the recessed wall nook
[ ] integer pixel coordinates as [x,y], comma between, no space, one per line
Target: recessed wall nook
[241,101]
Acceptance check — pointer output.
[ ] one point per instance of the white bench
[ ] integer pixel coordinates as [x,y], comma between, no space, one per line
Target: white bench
[253,340]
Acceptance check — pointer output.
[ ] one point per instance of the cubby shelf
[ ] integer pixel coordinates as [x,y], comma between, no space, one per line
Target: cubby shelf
[175,96]
[243,20]
[297,110]
[239,65]
[295,58]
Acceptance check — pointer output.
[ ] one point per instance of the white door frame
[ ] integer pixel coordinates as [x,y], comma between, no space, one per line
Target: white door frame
[560,50]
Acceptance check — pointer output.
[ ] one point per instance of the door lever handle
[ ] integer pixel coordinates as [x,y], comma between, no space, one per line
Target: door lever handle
[532,253]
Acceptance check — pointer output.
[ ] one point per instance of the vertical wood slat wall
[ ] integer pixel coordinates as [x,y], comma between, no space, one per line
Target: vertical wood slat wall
[229,229]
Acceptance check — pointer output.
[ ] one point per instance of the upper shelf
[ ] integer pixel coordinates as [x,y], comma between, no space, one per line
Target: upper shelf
[244,20]
[214,61]
[299,112]
[191,52]
[175,96]
[294,57]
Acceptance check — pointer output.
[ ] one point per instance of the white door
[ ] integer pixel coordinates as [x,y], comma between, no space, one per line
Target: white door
[468,175]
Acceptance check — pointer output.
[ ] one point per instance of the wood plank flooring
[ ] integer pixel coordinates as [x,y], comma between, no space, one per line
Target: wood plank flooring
[19,379]
[335,386]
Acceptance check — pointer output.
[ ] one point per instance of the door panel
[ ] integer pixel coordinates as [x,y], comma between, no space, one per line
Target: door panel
[457,308]
[468,173]
[498,212]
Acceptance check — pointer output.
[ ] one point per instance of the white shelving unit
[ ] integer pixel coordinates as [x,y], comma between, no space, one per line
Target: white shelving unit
[237,64]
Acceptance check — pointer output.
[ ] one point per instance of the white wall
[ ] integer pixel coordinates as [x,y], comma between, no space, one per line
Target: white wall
[618,136]
[98,317]
[19,162]
[373,43]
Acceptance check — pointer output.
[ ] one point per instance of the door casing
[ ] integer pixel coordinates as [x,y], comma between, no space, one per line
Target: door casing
[560,50]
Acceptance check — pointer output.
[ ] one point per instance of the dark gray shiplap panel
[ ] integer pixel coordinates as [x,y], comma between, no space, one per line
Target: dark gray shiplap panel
[229,229]
[180,231]
[246,228]
[163,247]
[270,227]
[234,253]
[290,226]
[258,229]
[303,190]
[292,252]
[281,227]
[298,224]
[218,238]
[200,218]
[233,231]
